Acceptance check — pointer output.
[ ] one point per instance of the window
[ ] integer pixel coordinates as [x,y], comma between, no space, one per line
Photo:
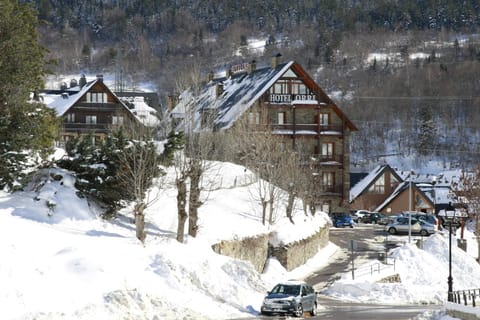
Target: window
[70,117]
[254,118]
[281,86]
[327,150]
[281,118]
[378,186]
[96,97]
[323,119]
[298,87]
[91,119]
[117,120]
[328,181]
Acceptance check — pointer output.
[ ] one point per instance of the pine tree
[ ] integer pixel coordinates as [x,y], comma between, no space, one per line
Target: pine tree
[26,128]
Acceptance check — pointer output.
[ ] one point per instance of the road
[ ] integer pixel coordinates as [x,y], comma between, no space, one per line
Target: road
[370,241]
[370,244]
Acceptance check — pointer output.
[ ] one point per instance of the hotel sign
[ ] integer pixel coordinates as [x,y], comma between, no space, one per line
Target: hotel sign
[288,98]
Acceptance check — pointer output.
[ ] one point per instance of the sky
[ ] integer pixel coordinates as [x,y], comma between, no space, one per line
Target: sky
[60,260]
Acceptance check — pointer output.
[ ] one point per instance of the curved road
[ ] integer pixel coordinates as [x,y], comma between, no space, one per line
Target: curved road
[370,242]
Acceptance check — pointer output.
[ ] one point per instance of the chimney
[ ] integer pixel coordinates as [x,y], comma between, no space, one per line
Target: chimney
[64,95]
[83,81]
[210,76]
[172,101]
[73,83]
[276,60]
[229,73]
[218,89]
[251,67]
[63,86]
[100,77]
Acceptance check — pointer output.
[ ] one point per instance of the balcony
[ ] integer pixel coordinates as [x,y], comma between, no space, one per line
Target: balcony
[322,160]
[306,129]
[87,127]
[330,190]
[97,106]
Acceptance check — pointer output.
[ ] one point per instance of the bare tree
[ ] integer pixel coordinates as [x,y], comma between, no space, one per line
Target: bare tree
[139,162]
[192,162]
[467,193]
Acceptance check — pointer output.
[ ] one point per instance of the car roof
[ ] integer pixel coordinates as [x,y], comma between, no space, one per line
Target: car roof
[293,282]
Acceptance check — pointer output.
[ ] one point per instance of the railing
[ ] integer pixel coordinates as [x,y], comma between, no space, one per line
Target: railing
[466,297]
[312,127]
[84,127]
[319,159]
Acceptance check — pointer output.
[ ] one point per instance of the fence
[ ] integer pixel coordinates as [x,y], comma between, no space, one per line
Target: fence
[468,297]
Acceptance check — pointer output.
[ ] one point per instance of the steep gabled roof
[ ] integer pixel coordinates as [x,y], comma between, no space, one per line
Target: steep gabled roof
[239,93]
[370,179]
[400,188]
[62,100]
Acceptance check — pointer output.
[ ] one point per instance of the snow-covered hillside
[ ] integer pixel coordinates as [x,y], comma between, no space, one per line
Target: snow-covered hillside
[59,260]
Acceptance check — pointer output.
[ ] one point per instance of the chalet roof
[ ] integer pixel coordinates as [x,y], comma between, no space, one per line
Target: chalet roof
[369,179]
[62,100]
[400,188]
[238,93]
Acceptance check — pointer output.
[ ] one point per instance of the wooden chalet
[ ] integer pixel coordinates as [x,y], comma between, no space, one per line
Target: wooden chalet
[284,99]
[387,191]
[87,108]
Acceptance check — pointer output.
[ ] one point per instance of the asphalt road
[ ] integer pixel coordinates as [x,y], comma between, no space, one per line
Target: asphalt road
[370,243]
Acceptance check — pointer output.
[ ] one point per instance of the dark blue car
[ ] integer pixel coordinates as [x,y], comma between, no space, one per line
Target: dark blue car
[342,219]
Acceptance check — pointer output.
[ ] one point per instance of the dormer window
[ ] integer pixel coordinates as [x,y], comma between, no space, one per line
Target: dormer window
[96,97]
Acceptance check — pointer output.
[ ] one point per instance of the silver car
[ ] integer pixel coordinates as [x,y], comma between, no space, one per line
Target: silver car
[292,297]
[401,225]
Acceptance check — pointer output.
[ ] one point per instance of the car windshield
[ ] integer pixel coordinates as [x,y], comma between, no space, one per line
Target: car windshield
[292,290]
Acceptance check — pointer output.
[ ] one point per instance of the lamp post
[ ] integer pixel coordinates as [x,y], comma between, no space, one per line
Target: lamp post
[450,220]
[410,208]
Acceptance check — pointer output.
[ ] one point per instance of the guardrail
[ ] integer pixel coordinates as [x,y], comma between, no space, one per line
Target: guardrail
[468,297]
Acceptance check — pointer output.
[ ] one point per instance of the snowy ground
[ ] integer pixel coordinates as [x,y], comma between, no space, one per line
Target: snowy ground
[60,261]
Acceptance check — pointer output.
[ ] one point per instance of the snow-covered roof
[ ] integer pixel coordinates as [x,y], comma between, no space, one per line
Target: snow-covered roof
[240,92]
[143,112]
[363,184]
[63,101]
[230,96]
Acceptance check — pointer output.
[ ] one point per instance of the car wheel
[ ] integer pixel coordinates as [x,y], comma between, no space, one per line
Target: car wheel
[298,311]
[424,233]
[392,231]
[313,313]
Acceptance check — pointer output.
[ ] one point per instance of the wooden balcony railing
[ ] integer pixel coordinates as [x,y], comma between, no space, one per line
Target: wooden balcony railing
[86,127]
[318,159]
[305,128]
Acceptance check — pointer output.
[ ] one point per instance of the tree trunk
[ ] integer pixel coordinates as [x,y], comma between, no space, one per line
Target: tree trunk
[194,202]
[264,211]
[140,221]
[270,213]
[291,199]
[181,211]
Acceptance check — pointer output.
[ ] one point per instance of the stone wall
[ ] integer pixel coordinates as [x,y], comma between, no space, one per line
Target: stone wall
[254,250]
[257,250]
[297,253]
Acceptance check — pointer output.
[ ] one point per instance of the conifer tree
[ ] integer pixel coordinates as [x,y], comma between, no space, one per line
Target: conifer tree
[26,129]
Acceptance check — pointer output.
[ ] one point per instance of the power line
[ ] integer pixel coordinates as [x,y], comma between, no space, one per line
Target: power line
[417,98]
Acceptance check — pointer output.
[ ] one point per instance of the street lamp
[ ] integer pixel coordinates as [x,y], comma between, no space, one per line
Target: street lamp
[450,219]
[410,208]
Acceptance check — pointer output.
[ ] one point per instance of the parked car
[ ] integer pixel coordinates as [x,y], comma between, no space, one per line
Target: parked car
[361,214]
[375,217]
[401,226]
[342,219]
[430,218]
[292,297]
